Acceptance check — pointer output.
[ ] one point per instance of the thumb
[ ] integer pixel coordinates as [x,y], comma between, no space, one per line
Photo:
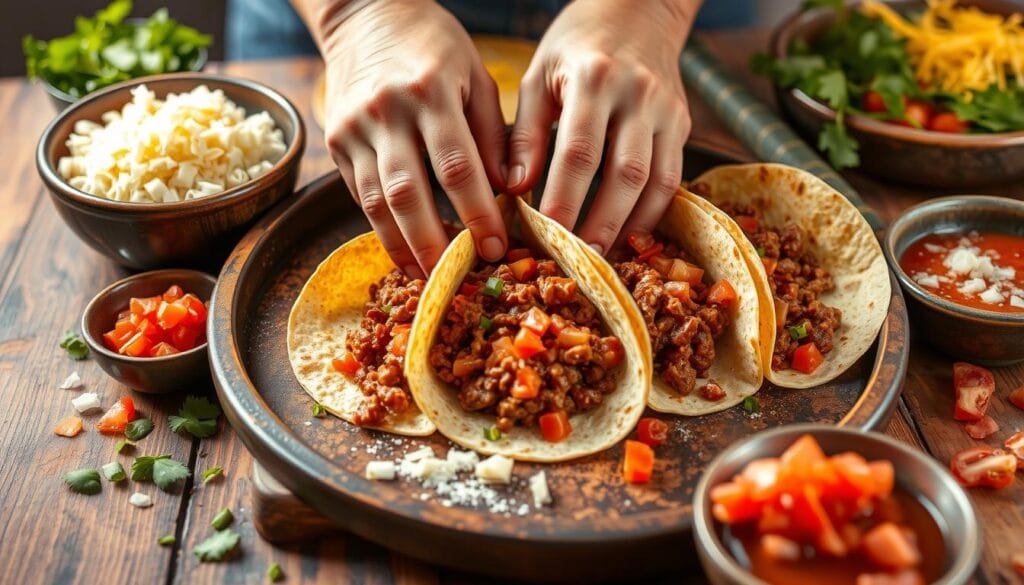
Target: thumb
[528,142]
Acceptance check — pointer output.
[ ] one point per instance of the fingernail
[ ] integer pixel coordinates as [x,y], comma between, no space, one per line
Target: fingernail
[504,173]
[413,271]
[517,175]
[492,248]
[597,248]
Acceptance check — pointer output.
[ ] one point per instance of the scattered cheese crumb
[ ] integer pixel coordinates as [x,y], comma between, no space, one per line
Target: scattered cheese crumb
[1016,301]
[928,280]
[86,402]
[421,453]
[539,489]
[495,469]
[992,296]
[140,500]
[972,286]
[72,381]
[380,470]
[463,460]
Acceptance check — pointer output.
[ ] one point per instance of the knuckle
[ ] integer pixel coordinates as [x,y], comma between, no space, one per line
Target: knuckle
[633,170]
[667,181]
[373,203]
[605,232]
[582,153]
[454,169]
[401,195]
[426,251]
[561,211]
[597,68]
[520,140]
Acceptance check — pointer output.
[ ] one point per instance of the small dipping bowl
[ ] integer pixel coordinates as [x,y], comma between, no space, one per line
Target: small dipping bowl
[991,338]
[153,375]
[917,474]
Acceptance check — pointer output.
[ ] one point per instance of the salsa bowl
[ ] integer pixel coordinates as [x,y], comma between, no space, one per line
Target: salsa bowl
[194,232]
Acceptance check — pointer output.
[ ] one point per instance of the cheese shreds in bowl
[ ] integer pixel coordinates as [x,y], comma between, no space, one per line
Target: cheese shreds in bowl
[186,146]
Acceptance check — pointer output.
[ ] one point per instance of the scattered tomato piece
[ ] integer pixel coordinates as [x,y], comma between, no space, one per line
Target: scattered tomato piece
[527,384]
[982,428]
[347,364]
[917,114]
[651,431]
[468,289]
[888,546]
[68,426]
[536,320]
[523,269]
[807,358]
[613,353]
[984,467]
[1016,397]
[650,252]
[948,122]
[722,293]
[640,242]
[1015,445]
[973,387]
[517,254]
[747,223]
[554,426]
[117,417]
[527,343]
[173,293]
[873,102]
[638,464]
[399,339]
[572,336]
[733,503]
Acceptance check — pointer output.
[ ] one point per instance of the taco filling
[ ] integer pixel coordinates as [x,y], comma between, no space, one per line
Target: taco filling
[683,313]
[376,350]
[806,325]
[521,342]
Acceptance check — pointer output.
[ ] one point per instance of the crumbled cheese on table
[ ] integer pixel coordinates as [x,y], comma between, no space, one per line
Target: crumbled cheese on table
[72,381]
[495,469]
[539,489]
[140,500]
[86,402]
[380,470]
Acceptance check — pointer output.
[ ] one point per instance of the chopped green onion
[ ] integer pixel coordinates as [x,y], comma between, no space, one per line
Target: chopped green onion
[123,444]
[114,472]
[166,540]
[74,345]
[485,323]
[274,572]
[760,251]
[492,433]
[223,519]
[751,404]
[798,332]
[212,473]
[318,410]
[493,286]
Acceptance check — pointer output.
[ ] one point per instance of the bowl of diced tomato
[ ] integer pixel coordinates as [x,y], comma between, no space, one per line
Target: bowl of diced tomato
[821,504]
[148,331]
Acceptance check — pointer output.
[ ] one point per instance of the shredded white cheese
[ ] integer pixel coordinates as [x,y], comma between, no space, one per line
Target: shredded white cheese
[86,402]
[539,489]
[186,146]
[495,469]
[380,470]
[1017,301]
[972,286]
[983,277]
[140,500]
[72,381]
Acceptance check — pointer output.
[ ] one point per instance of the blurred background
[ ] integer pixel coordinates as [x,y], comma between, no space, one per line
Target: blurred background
[50,18]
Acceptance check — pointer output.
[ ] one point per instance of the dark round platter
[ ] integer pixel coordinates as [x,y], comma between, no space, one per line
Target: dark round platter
[597,528]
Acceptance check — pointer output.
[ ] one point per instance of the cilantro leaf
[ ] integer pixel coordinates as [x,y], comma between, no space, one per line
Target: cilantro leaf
[217,546]
[212,473]
[160,469]
[197,416]
[840,146]
[138,429]
[84,481]
[74,345]
[831,87]
[894,89]
[994,109]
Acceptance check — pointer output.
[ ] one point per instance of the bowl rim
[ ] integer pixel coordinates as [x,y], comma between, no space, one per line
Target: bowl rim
[963,562]
[788,29]
[281,167]
[924,211]
[90,308]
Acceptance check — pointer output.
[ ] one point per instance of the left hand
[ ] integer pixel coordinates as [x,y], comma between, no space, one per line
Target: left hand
[607,71]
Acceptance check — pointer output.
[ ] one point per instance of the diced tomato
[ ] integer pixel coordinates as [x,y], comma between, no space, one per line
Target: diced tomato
[948,122]
[399,339]
[650,252]
[679,290]
[800,459]
[502,344]
[173,293]
[117,417]
[856,479]
[196,316]
[517,254]
[981,429]
[527,343]
[346,364]
[640,242]
[536,320]
[873,102]
[119,336]
[973,386]
[888,547]
[660,263]
[1015,445]
[722,293]
[917,114]
[747,223]
[68,426]
[781,310]
[144,306]
[885,477]
[807,358]
[123,315]
[573,336]
[613,353]
[774,519]
[161,349]
[468,289]
[524,269]
[184,338]
[168,315]
[638,463]
[770,264]
[557,325]
[683,271]
[809,518]
[527,384]
[1016,397]
[907,577]
[761,476]
[148,327]
[651,431]
[137,346]
[984,467]
[732,503]
[554,426]
[779,548]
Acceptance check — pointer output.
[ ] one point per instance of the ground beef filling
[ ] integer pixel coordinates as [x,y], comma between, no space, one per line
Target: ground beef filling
[479,347]
[681,322]
[797,283]
[379,346]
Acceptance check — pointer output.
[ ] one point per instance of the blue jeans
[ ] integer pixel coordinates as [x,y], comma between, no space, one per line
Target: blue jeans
[262,29]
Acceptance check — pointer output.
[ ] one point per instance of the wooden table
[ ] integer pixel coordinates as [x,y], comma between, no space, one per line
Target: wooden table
[50,535]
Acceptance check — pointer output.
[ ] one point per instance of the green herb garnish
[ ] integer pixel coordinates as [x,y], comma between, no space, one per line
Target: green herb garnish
[493,286]
[74,345]
[212,473]
[138,429]
[160,469]
[217,546]
[166,540]
[84,481]
[797,332]
[760,251]
[198,417]
[121,445]
[492,433]
[386,309]
[223,519]
[114,472]
[485,322]
[751,404]
[318,410]
[274,572]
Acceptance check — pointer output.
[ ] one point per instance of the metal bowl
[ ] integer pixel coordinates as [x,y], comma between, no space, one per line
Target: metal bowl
[898,153]
[198,232]
[154,375]
[986,337]
[916,473]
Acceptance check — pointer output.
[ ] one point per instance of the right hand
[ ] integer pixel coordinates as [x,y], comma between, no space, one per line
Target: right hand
[403,76]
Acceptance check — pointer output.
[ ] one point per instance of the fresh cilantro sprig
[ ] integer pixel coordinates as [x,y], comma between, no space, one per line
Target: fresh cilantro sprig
[197,416]
[160,469]
[138,429]
[84,481]
[217,546]
[73,343]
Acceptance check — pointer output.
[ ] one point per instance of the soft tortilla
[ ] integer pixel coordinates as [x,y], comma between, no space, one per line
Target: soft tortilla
[737,367]
[839,237]
[592,431]
[328,308]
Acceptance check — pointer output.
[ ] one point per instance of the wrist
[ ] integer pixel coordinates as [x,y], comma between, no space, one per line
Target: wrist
[334,21]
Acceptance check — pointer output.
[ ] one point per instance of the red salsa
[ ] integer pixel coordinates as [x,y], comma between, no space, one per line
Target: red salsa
[982,270]
[159,325]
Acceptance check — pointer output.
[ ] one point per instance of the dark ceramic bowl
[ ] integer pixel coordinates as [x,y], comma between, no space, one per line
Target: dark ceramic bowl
[908,155]
[155,375]
[198,232]
[986,337]
[916,473]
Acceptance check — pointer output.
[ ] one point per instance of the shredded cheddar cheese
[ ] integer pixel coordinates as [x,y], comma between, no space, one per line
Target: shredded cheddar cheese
[959,49]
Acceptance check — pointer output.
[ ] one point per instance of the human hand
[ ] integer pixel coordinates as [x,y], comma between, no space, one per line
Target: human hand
[607,70]
[403,75]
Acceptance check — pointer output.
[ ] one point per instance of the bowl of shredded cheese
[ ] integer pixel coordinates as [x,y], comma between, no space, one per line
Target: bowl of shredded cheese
[171,169]
[946,78]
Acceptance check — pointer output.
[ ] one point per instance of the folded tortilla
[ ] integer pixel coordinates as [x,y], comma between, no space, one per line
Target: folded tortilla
[841,240]
[592,431]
